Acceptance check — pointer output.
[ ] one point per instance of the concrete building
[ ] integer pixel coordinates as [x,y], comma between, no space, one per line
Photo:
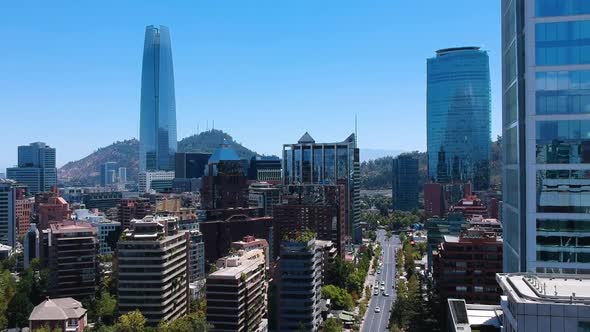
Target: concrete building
[308,162]
[465,266]
[319,208]
[153,269]
[265,169]
[108,173]
[437,228]
[64,314]
[36,167]
[236,293]
[546,136]
[50,208]
[102,200]
[190,165]
[545,302]
[158,181]
[71,248]
[264,196]
[249,243]
[470,206]
[108,232]
[32,245]
[132,208]
[464,317]
[404,182]
[23,212]
[299,284]
[218,235]
[7,212]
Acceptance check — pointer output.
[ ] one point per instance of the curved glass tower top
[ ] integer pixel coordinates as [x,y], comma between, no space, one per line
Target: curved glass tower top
[459,114]
[157,134]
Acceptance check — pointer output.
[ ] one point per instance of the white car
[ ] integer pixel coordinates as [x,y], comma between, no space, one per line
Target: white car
[382,288]
[385,294]
[376,292]
[382,283]
[377,309]
[378,271]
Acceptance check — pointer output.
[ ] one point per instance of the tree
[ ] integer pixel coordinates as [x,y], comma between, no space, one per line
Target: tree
[191,323]
[106,305]
[46,328]
[19,309]
[133,321]
[7,291]
[341,299]
[332,325]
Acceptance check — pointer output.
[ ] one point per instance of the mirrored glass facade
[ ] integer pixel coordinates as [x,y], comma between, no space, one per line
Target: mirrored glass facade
[309,162]
[546,136]
[459,112]
[158,105]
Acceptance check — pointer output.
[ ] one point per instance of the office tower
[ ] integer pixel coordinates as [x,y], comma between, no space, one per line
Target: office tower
[51,208]
[108,173]
[308,162]
[458,114]
[546,136]
[36,167]
[108,233]
[318,208]
[157,128]
[404,183]
[190,165]
[299,284]
[264,196]
[32,245]
[122,175]
[218,235]
[102,200]
[236,293]
[8,212]
[158,181]
[159,288]
[267,169]
[225,184]
[70,250]
[541,302]
[469,274]
[132,208]
[23,212]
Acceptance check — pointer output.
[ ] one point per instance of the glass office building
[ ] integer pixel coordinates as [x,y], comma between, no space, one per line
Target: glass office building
[157,134]
[36,167]
[459,113]
[404,183]
[327,163]
[546,135]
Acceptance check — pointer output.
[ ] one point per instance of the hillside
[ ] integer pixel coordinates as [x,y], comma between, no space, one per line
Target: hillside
[376,174]
[86,171]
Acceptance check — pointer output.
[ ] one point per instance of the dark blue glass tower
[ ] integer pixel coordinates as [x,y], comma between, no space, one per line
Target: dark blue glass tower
[459,113]
[157,134]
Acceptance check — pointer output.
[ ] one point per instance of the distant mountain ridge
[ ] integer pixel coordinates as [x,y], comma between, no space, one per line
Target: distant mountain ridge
[86,171]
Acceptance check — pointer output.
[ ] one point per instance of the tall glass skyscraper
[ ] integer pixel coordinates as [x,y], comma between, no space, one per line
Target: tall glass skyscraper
[546,135]
[459,113]
[157,134]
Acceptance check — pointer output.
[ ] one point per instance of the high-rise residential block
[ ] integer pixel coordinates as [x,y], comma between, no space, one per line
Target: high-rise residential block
[108,233]
[23,212]
[50,208]
[236,293]
[438,227]
[8,212]
[308,162]
[157,128]
[122,175]
[465,266]
[299,284]
[70,250]
[546,136]
[404,182]
[153,269]
[36,167]
[459,114]
[132,208]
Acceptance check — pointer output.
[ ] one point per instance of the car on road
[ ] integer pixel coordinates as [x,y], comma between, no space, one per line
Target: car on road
[376,292]
[383,288]
[382,282]
[377,309]
[376,286]
[385,294]
[378,271]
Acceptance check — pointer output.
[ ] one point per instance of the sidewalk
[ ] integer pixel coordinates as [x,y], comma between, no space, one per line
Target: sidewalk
[369,281]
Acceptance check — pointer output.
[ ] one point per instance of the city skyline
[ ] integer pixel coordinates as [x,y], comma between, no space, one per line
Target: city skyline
[271,63]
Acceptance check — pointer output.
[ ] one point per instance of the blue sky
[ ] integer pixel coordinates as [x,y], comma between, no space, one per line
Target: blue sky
[264,71]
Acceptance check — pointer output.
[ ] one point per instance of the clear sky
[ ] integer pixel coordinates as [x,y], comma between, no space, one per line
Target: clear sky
[264,71]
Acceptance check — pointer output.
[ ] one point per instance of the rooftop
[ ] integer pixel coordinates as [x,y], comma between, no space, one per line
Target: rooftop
[465,316]
[546,288]
[68,226]
[444,51]
[57,309]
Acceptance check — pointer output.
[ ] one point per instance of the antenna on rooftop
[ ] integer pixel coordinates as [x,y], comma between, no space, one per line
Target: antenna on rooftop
[355,130]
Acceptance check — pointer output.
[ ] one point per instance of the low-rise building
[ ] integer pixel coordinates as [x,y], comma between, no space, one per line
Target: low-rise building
[158,181]
[64,314]
[545,302]
[464,317]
